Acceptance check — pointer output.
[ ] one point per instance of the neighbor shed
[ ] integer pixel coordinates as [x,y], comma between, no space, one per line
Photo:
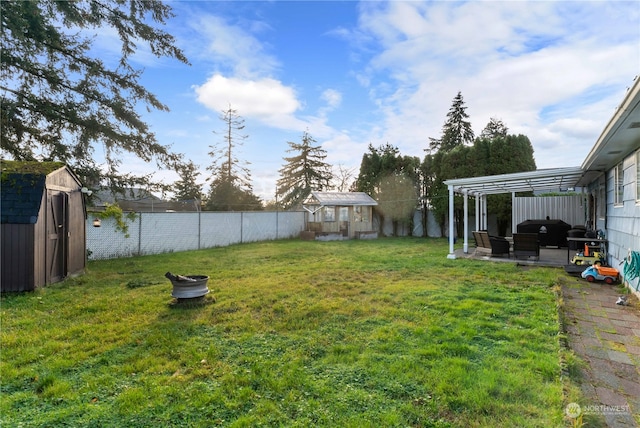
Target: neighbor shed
[340,214]
[42,215]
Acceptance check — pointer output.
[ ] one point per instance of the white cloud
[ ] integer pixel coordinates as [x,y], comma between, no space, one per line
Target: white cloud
[232,46]
[332,97]
[266,99]
[515,60]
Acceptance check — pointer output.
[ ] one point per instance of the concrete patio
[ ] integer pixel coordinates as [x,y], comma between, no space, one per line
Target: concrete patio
[549,257]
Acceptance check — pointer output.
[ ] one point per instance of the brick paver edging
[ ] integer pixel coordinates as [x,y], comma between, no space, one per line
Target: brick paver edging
[606,337]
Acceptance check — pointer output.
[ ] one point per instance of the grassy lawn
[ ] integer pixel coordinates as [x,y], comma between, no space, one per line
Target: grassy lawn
[355,333]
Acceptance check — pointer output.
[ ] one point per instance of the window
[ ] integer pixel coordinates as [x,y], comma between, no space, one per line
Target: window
[618,177]
[329,213]
[361,213]
[638,176]
[344,213]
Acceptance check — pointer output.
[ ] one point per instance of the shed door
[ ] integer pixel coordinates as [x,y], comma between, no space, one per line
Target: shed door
[56,236]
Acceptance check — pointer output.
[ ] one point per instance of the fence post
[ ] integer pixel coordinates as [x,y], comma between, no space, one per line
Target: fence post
[140,233]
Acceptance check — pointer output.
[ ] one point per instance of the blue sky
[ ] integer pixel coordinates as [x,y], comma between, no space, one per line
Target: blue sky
[359,73]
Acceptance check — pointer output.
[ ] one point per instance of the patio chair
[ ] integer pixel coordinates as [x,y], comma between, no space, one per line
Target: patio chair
[526,245]
[492,245]
[499,246]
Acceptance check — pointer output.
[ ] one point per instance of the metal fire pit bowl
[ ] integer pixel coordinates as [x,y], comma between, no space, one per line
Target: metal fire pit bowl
[185,289]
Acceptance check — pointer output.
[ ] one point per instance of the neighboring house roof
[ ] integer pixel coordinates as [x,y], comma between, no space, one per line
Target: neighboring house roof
[140,200]
[107,196]
[22,185]
[340,199]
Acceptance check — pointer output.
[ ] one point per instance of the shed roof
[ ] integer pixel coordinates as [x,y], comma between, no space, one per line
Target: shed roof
[340,199]
[21,188]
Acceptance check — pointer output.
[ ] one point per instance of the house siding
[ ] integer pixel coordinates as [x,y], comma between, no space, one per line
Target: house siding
[623,220]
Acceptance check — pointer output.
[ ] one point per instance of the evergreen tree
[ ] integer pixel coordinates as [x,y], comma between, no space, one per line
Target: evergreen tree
[60,99]
[187,187]
[503,155]
[425,184]
[456,134]
[456,130]
[231,188]
[494,129]
[374,165]
[305,172]
[225,196]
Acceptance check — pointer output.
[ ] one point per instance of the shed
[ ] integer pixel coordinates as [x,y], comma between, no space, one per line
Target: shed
[340,214]
[42,216]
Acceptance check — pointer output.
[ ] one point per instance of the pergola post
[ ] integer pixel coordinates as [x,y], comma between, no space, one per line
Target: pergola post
[513,213]
[465,245]
[485,216]
[452,254]
[478,212]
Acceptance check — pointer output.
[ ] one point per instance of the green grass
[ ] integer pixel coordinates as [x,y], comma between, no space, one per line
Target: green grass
[354,333]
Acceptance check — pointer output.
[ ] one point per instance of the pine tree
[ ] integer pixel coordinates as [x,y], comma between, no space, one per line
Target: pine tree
[60,99]
[495,128]
[187,187]
[225,165]
[305,172]
[231,188]
[456,130]
[225,196]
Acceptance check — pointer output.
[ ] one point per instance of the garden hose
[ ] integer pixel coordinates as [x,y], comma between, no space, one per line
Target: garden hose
[632,267]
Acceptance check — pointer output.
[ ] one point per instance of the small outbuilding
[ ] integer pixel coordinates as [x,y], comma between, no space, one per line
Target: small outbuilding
[43,217]
[339,215]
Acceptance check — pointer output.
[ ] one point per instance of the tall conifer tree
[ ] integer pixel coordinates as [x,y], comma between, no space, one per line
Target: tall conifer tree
[231,188]
[60,99]
[303,173]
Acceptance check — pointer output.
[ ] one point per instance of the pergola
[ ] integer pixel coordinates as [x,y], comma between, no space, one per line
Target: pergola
[542,180]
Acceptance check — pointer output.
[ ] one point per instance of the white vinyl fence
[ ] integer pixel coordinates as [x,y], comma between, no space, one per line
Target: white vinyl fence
[570,209]
[156,233]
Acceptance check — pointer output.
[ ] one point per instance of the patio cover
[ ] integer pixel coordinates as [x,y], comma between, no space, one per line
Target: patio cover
[619,138]
[542,180]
